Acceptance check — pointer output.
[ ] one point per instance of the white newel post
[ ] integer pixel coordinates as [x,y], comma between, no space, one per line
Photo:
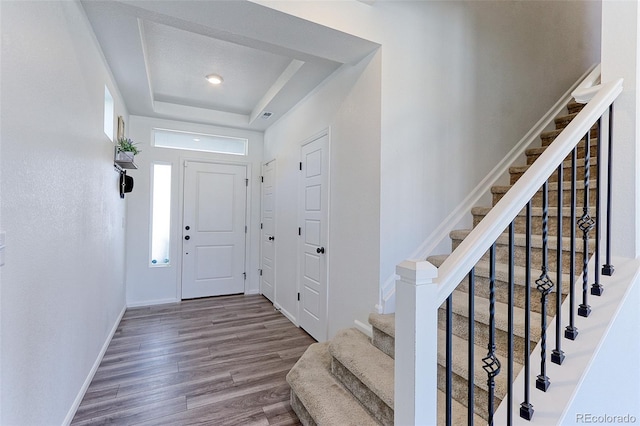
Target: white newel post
[416,350]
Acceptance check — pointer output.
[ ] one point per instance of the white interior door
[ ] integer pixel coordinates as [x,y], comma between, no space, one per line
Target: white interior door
[314,211]
[268,249]
[214,233]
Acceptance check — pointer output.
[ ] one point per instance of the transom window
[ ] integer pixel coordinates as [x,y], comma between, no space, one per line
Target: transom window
[176,139]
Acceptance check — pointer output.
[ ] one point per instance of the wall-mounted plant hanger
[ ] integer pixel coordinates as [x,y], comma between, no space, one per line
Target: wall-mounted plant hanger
[125,151]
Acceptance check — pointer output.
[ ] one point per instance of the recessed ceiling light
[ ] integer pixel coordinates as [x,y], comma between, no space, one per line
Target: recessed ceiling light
[196,140]
[214,79]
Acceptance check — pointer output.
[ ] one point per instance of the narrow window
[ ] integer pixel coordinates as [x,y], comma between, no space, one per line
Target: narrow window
[160,214]
[108,113]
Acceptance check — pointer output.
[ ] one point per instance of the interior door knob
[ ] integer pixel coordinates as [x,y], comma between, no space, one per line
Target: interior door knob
[272,238]
[320,250]
[187,237]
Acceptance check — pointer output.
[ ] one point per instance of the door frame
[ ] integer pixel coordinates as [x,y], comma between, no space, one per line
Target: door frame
[325,132]
[247,216]
[275,229]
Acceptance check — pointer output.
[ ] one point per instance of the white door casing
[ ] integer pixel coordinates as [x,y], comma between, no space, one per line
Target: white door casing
[213,229]
[314,233]
[267,232]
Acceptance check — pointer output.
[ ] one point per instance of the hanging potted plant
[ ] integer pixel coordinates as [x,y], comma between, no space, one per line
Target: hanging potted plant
[126,149]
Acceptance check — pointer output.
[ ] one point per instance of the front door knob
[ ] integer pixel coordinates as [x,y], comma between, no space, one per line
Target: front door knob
[187,237]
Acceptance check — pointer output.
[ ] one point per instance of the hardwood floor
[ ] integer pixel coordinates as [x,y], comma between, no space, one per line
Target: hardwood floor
[214,361]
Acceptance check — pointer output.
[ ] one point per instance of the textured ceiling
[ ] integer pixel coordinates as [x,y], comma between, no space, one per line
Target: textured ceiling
[161,51]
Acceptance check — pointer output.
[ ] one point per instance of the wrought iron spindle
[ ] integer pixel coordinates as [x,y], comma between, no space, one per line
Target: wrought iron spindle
[491,364]
[607,268]
[586,224]
[526,409]
[571,331]
[470,348]
[544,286]
[449,361]
[557,355]
[510,303]
[596,288]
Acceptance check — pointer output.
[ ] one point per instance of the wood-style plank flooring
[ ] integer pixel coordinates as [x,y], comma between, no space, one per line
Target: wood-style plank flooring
[215,361]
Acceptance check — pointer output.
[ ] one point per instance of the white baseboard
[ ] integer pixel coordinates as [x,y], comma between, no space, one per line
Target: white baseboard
[365,328]
[284,312]
[152,302]
[92,372]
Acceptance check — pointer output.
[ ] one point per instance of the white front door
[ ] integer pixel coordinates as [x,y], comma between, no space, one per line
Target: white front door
[268,262]
[213,229]
[314,233]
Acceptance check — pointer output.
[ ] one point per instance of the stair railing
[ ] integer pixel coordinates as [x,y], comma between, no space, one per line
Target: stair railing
[422,288]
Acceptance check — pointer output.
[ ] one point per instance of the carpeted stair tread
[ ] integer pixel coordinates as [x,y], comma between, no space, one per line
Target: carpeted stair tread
[520,240]
[566,165]
[458,412]
[573,107]
[368,364]
[562,120]
[383,330]
[323,397]
[502,273]
[536,151]
[460,365]
[535,211]
[461,307]
[553,186]
[384,322]
[548,137]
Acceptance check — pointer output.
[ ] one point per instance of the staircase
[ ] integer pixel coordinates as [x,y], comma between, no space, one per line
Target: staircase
[349,380]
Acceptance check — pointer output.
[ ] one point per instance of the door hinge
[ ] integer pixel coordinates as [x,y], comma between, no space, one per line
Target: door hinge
[261,226]
[245,229]
[301,165]
[299,231]
[246,182]
[298,296]
[260,270]
[245,275]
[262,179]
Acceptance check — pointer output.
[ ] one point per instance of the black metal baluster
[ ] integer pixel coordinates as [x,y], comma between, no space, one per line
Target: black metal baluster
[557,355]
[449,361]
[596,288]
[470,349]
[544,286]
[491,364]
[585,223]
[510,303]
[526,409]
[571,331]
[607,268]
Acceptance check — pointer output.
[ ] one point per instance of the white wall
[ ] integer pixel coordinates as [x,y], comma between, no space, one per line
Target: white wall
[462,82]
[151,285]
[611,386]
[63,281]
[349,105]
